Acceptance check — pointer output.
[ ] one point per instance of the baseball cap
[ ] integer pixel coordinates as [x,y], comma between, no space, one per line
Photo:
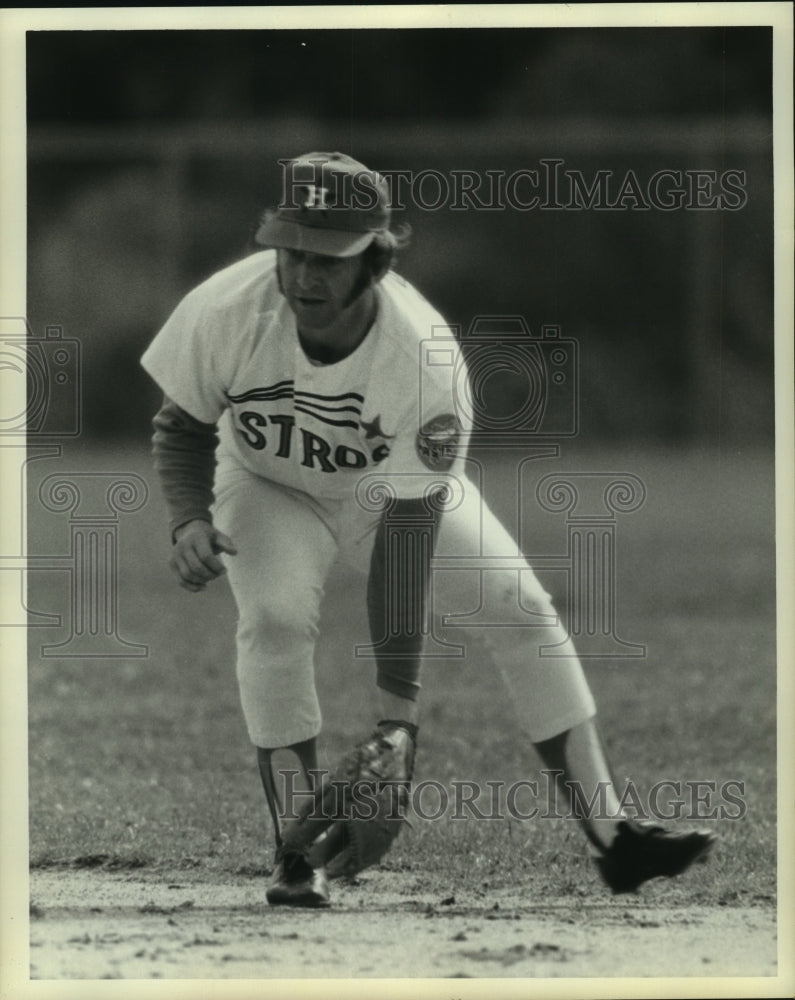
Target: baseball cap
[331,205]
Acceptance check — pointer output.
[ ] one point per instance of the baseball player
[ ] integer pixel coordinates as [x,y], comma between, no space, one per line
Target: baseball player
[299,427]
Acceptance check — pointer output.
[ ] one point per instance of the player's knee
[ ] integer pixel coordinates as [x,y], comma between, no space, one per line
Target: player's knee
[538,602]
[278,624]
[515,596]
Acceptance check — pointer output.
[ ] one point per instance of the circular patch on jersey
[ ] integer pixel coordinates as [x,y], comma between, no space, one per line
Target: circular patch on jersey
[437,442]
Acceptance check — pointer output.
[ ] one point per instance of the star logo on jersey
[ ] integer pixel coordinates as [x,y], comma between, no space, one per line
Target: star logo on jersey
[372,429]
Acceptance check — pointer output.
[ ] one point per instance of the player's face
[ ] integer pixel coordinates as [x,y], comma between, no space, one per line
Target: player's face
[318,289]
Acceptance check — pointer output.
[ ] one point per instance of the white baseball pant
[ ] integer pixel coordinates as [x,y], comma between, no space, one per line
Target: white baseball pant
[287,542]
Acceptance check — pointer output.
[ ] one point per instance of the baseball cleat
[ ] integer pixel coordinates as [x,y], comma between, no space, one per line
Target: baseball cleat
[641,852]
[296,883]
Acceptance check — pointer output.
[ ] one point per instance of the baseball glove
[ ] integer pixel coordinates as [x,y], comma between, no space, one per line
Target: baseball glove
[359,809]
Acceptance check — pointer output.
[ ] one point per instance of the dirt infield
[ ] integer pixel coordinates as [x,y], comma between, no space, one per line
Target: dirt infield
[122,925]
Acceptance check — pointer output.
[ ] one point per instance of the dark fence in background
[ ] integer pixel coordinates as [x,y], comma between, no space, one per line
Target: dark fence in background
[672,309]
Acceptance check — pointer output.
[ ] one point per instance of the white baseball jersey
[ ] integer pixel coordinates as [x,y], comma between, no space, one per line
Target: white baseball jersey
[230,354]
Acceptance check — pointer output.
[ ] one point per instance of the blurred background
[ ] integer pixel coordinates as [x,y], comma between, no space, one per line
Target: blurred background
[152,154]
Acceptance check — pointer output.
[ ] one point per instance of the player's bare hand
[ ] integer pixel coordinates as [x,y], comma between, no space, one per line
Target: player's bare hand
[194,557]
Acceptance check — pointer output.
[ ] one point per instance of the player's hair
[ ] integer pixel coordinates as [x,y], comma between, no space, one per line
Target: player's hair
[380,255]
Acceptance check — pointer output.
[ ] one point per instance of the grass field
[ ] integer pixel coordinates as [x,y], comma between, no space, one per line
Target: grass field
[144,763]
